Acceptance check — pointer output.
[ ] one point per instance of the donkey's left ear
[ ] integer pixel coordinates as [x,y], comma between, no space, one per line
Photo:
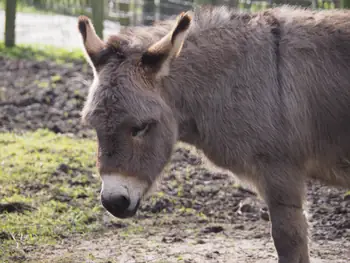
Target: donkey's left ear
[157,58]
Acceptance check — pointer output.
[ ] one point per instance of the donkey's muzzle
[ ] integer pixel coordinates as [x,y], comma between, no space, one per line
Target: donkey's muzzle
[118,206]
[120,194]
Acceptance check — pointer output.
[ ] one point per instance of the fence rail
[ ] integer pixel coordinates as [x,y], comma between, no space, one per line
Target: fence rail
[142,12]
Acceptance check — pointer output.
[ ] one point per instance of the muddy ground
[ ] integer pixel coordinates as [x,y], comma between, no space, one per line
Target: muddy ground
[219,220]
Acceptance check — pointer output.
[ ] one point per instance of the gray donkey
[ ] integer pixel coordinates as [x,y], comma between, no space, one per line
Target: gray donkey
[265,95]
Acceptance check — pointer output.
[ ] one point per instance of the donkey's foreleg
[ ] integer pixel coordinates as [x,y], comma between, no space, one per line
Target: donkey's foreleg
[283,191]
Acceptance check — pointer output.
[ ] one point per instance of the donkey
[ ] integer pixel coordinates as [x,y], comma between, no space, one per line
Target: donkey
[265,95]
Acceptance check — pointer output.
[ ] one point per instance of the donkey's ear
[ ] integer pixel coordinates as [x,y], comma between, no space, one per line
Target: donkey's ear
[159,55]
[92,43]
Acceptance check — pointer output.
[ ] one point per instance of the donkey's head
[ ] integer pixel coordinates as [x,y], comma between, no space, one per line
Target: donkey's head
[135,127]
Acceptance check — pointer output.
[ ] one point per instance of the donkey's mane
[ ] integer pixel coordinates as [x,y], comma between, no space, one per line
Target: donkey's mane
[204,18]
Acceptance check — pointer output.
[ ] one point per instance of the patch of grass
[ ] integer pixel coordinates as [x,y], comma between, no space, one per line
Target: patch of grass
[347,194]
[41,52]
[52,177]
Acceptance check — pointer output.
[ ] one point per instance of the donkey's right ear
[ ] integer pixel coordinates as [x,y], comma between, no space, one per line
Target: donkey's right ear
[158,56]
[93,45]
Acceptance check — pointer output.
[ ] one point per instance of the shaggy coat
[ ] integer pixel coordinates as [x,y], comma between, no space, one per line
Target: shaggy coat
[265,95]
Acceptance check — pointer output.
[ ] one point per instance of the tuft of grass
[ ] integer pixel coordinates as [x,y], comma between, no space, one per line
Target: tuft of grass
[347,194]
[52,177]
[41,52]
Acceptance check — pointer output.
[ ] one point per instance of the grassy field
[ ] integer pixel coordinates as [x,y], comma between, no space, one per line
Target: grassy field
[47,189]
[41,52]
[49,192]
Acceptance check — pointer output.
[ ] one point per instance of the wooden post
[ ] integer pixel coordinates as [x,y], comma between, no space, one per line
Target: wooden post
[149,12]
[337,4]
[203,2]
[98,16]
[10,22]
[234,3]
[165,9]
[124,9]
[218,2]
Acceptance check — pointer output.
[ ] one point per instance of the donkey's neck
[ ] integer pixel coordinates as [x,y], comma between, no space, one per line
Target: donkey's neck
[194,75]
[180,105]
[190,87]
[200,86]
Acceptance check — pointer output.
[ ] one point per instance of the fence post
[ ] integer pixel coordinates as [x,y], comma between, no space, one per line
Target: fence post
[165,9]
[148,12]
[124,8]
[10,22]
[337,4]
[98,16]
[203,2]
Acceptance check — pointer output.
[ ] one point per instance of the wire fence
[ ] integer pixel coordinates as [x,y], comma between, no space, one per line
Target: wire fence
[136,12]
[139,12]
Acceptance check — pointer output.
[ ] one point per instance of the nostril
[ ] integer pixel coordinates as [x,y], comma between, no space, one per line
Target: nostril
[116,205]
[122,202]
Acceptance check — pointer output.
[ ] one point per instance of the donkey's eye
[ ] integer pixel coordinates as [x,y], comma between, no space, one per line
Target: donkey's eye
[140,130]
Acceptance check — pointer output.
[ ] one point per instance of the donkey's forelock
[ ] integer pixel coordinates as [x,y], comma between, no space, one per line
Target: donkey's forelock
[141,37]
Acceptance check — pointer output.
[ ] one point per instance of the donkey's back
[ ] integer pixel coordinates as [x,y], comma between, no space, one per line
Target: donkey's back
[314,68]
[286,76]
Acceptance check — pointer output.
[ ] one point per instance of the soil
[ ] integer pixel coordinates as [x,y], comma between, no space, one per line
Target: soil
[219,220]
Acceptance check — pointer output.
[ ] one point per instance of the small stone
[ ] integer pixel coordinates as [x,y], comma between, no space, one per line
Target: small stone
[4,235]
[213,229]
[63,198]
[264,214]
[246,206]
[212,255]
[172,239]
[116,225]
[63,167]
[200,241]
[55,129]
[239,227]
[347,197]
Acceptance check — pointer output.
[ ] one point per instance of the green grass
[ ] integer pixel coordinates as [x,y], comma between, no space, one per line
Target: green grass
[62,202]
[41,53]
[49,182]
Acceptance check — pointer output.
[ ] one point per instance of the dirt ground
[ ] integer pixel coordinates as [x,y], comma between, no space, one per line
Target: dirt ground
[219,220]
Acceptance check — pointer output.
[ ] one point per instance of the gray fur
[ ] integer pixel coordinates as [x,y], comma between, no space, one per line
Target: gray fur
[265,95]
